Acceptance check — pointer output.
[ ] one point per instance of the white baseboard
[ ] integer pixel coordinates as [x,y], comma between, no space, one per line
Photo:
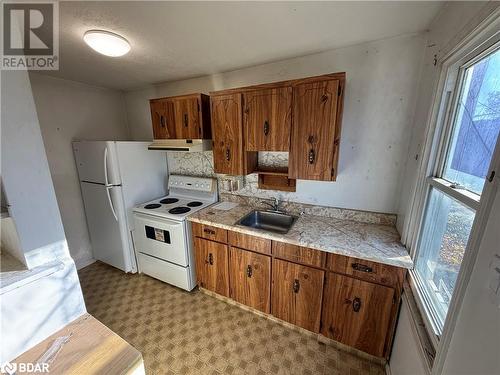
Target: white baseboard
[83,262]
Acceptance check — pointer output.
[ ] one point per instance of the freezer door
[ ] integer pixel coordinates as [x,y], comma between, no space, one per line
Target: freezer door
[107,225]
[143,174]
[96,162]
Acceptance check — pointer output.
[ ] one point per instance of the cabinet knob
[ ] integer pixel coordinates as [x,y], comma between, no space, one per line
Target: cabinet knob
[296,286]
[324,98]
[210,259]
[162,121]
[266,127]
[356,304]
[249,271]
[228,154]
[185,120]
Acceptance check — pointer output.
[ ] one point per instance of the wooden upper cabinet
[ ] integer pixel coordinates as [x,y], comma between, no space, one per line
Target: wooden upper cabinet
[227,134]
[302,116]
[267,119]
[297,292]
[181,117]
[313,151]
[357,313]
[250,278]
[162,116]
[187,119]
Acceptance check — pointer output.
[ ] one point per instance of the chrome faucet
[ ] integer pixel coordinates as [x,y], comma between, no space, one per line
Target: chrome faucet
[275,206]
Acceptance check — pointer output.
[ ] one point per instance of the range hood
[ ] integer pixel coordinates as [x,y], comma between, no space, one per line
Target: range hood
[182,145]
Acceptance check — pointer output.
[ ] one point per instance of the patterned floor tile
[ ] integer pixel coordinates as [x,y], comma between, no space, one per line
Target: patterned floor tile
[193,333]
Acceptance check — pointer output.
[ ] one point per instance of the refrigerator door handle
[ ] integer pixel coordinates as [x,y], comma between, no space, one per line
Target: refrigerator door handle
[106,181]
[111,202]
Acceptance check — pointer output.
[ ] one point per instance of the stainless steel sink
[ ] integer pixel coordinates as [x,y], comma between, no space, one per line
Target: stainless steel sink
[268,220]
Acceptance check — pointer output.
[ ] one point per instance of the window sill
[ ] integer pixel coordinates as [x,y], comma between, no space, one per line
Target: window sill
[427,338]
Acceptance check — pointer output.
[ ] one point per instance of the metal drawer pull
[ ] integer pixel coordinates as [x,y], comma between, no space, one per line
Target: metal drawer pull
[356,304]
[266,127]
[312,156]
[249,270]
[296,286]
[208,231]
[361,267]
[210,259]
[228,154]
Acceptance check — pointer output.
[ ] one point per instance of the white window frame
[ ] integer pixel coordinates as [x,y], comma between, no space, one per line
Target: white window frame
[440,123]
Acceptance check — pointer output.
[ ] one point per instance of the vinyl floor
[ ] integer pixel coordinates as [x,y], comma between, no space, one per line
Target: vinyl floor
[193,333]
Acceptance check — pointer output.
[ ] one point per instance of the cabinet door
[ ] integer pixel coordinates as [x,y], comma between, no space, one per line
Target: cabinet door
[250,278]
[187,118]
[313,130]
[297,294]
[227,134]
[162,117]
[267,119]
[212,266]
[357,313]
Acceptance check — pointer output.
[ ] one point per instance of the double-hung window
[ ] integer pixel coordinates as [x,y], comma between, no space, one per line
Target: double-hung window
[456,174]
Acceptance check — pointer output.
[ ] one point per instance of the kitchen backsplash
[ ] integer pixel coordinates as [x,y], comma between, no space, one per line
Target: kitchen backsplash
[201,164]
[191,163]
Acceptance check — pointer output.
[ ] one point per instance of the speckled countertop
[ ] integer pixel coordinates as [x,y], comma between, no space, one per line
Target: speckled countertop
[374,242]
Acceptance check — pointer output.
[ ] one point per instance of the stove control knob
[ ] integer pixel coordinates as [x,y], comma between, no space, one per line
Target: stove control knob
[197,185]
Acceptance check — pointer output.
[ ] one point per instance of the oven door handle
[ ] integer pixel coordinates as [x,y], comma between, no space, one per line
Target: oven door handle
[158,222]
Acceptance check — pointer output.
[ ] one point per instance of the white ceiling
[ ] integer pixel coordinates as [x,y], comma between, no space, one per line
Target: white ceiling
[177,40]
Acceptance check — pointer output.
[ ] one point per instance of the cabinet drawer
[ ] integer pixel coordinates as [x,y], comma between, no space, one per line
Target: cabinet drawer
[209,232]
[299,254]
[248,242]
[366,270]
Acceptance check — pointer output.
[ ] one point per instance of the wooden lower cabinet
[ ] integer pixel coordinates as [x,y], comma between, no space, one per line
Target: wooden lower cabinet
[297,292]
[212,265]
[250,278]
[356,305]
[357,313]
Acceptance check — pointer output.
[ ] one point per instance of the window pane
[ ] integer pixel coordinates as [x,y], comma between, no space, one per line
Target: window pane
[446,229]
[476,126]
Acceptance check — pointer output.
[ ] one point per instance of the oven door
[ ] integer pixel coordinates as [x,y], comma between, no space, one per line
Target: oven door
[161,238]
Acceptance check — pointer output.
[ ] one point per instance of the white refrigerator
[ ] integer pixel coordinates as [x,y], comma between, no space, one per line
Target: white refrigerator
[114,177]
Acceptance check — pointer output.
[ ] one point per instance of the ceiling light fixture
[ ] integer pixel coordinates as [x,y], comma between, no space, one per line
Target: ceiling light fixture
[107,43]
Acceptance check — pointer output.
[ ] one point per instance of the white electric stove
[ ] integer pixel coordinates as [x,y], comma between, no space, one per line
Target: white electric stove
[162,236]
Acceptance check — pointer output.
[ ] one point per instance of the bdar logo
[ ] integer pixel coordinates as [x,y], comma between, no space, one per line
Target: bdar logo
[8,368]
